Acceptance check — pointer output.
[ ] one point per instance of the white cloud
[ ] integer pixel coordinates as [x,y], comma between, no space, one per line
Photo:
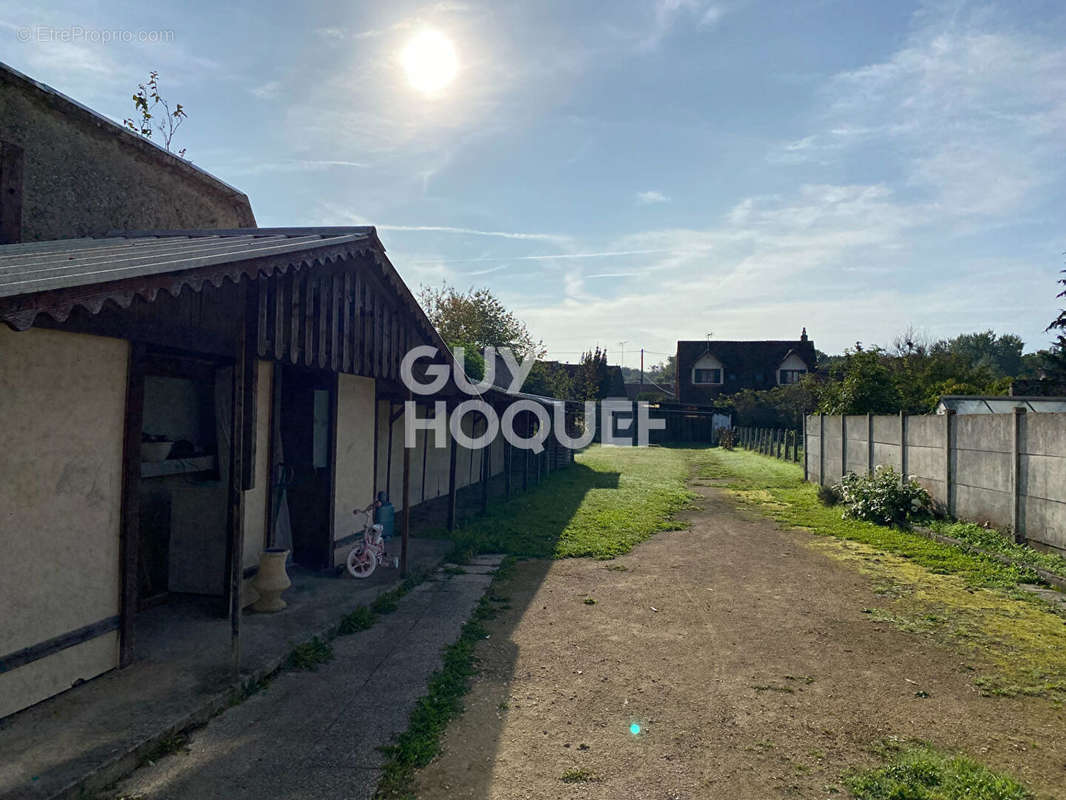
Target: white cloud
[267,91]
[651,197]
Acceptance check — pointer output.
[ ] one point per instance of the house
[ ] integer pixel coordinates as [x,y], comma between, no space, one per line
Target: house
[181,390]
[707,369]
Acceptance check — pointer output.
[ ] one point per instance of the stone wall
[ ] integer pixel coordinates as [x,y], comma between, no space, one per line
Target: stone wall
[84,175]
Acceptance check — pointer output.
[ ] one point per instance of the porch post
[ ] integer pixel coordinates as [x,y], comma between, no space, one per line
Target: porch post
[452,454]
[405,518]
[244,351]
[131,477]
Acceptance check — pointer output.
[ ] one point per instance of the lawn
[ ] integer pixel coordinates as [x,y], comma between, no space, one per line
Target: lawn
[608,501]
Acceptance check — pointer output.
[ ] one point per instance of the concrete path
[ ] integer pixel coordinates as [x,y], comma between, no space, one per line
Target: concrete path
[316,734]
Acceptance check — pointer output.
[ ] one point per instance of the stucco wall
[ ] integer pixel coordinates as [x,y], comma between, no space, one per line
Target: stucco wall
[84,175]
[62,400]
[354,487]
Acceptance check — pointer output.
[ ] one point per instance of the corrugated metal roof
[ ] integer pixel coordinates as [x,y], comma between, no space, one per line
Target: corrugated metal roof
[63,264]
[998,404]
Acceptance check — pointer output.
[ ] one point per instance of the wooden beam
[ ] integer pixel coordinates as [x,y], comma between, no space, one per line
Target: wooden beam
[334,322]
[323,320]
[251,390]
[129,532]
[235,551]
[279,316]
[295,332]
[357,326]
[310,286]
[261,314]
[346,318]
[11,191]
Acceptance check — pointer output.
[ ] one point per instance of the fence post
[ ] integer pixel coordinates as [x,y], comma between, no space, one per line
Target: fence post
[869,443]
[1015,476]
[821,449]
[903,446]
[949,488]
[788,440]
[843,445]
[780,438]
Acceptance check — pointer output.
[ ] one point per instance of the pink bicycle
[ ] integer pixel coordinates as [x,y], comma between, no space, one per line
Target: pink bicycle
[365,556]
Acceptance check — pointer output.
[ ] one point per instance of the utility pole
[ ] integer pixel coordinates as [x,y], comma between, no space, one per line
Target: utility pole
[622,354]
[642,365]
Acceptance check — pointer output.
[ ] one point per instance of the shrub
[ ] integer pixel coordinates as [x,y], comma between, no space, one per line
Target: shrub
[883,497]
[828,495]
[727,438]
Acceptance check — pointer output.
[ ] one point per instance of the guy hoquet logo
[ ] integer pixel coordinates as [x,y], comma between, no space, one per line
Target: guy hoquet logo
[434,377]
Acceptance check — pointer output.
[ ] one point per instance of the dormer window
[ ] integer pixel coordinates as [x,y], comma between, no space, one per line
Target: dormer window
[707,371]
[708,376]
[792,370]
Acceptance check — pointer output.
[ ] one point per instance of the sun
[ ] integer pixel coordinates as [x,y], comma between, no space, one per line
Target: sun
[430,61]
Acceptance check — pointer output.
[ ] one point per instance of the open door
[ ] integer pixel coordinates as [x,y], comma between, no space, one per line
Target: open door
[308,400]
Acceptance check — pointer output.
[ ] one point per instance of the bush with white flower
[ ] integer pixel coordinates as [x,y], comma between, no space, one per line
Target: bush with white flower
[883,497]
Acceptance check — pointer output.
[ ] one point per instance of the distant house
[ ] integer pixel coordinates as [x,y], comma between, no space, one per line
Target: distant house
[707,369]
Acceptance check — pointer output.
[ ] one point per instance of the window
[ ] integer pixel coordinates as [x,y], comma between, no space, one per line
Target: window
[706,376]
[790,375]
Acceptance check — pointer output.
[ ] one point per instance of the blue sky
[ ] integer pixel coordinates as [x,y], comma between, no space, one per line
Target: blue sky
[635,171]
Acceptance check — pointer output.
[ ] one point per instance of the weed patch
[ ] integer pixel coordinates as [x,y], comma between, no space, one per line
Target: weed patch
[309,655]
[916,771]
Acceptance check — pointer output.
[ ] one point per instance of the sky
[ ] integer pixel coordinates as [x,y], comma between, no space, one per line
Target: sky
[634,172]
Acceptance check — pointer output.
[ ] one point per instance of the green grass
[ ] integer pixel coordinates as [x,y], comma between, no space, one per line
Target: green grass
[309,655]
[416,747]
[997,541]
[916,771]
[579,776]
[602,506]
[966,600]
[778,489]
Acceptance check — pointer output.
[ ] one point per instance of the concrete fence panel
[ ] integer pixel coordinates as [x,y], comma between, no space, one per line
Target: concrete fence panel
[857,451]
[1005,469]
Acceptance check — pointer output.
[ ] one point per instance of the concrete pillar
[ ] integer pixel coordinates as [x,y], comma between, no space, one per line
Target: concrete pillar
[843,445]
[869,444]
[903,446]
[949,447]
[821,449]
[1016,475]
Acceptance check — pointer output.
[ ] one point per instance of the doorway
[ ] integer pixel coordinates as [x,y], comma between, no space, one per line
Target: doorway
[306,424]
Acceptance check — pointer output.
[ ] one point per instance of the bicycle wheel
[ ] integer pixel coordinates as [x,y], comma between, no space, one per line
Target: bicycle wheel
[361,563]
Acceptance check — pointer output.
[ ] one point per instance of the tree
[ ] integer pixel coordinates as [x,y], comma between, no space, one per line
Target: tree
[1055,360]
[861,384]
[145,102]
[593,381]
[476,319]
[1001,355]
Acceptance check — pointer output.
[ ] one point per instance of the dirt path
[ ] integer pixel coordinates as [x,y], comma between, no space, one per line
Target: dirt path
[744,654]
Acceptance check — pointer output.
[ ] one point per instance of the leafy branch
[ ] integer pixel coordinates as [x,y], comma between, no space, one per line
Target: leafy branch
[145,102]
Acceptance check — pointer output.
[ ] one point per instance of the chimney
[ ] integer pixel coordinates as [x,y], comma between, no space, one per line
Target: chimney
[803,336]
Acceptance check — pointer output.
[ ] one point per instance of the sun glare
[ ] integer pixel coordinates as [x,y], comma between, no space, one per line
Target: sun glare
[430,61]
